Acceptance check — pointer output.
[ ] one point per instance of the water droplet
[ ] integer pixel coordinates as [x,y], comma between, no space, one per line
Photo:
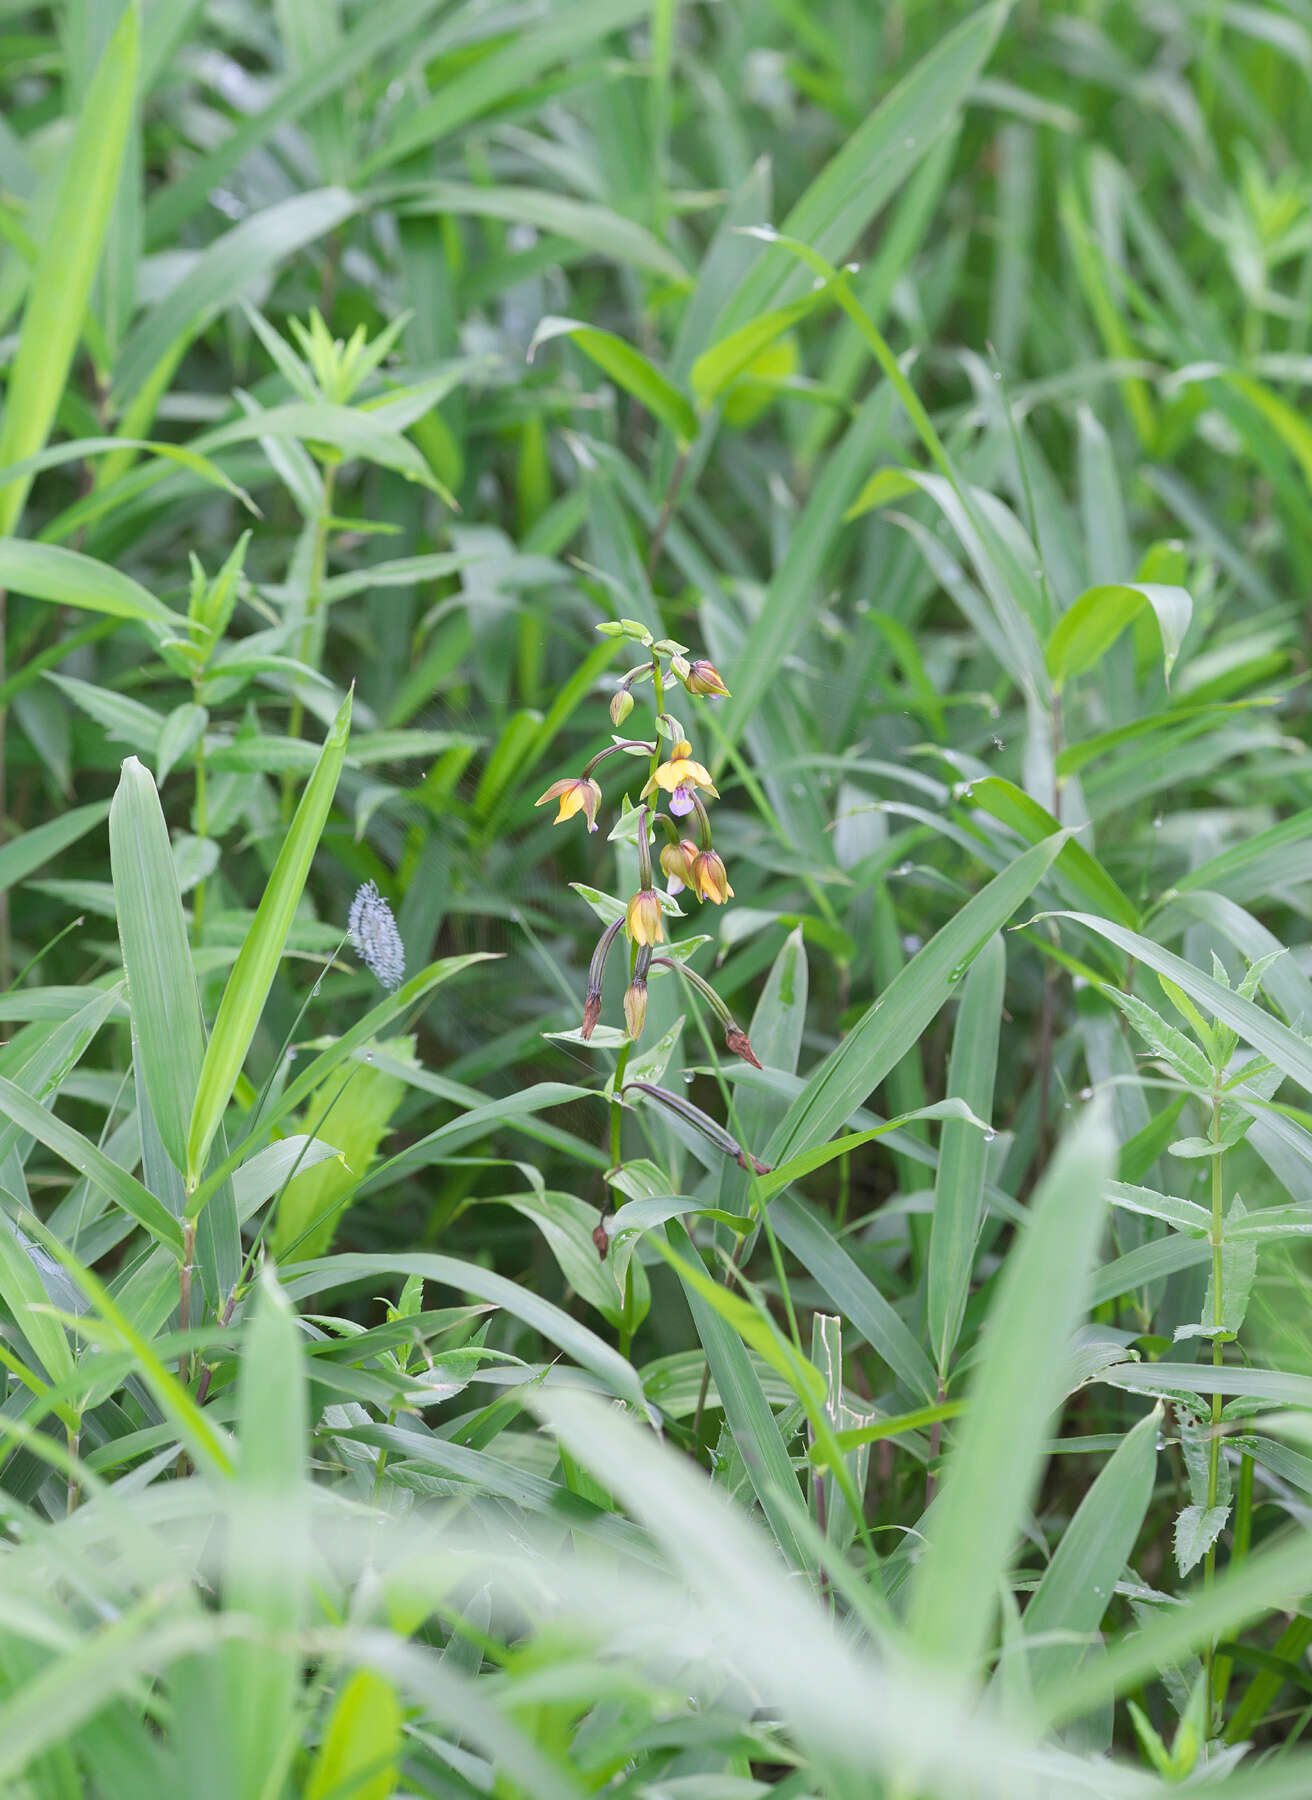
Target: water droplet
[997,743]
[817,284]
[997,374]
[1086,1093]
[688,1077]
[368,1056]
[852,268]
[964,790]
[901,869]
[1065,1106]
[1157,823]
[989,1134]
[291,1055]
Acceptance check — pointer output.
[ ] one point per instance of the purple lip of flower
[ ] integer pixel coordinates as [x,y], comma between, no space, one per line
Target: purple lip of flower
[681,802]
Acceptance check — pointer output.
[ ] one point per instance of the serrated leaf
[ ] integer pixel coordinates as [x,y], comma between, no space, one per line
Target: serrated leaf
[1196,1530]
[1164,1040]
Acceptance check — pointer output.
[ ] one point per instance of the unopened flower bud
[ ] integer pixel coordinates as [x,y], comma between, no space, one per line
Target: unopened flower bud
[635,1007]
[708,878]
[704,678]
[642,917]
[621,705]
[737,1040]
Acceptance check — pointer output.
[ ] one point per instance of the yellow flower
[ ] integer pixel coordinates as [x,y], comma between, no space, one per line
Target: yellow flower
[642,918]
[679,777]
[708,878]
[579,794]
[676,859]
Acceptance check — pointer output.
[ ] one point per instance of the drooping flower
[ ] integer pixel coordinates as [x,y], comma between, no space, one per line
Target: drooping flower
[676,860]
[679,778]
[708,878]
[374,936]
[704,678]
[642,917]
[579,794]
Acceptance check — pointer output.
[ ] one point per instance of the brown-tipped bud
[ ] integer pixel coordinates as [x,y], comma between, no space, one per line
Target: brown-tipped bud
[621,705]
[708,878]
[591,1013]
[642,918]
[601,1238]
[635,1007]
[737,1040]
[704,678]
[750,1163]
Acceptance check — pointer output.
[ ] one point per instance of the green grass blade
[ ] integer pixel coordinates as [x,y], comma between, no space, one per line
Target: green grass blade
[253,972]
[963,1152]
[70,253]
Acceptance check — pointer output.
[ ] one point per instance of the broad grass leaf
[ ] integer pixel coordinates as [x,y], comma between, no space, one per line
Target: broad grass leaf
[994,1464]
[634,372]
[1078,1585]
[30,849]
[1087,630]
[67,578]
[166,1017]
[896,1020]
[124,1190]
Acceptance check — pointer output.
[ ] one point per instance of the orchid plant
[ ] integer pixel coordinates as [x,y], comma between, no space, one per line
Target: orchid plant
[672,800]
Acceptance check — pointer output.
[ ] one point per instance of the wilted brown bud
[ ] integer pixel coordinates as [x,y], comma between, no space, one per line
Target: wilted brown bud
[591,1013]
[601,1238]
[747,1161]
[736,1039]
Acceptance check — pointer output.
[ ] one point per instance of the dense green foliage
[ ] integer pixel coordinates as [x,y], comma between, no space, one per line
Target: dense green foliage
[890,1374]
